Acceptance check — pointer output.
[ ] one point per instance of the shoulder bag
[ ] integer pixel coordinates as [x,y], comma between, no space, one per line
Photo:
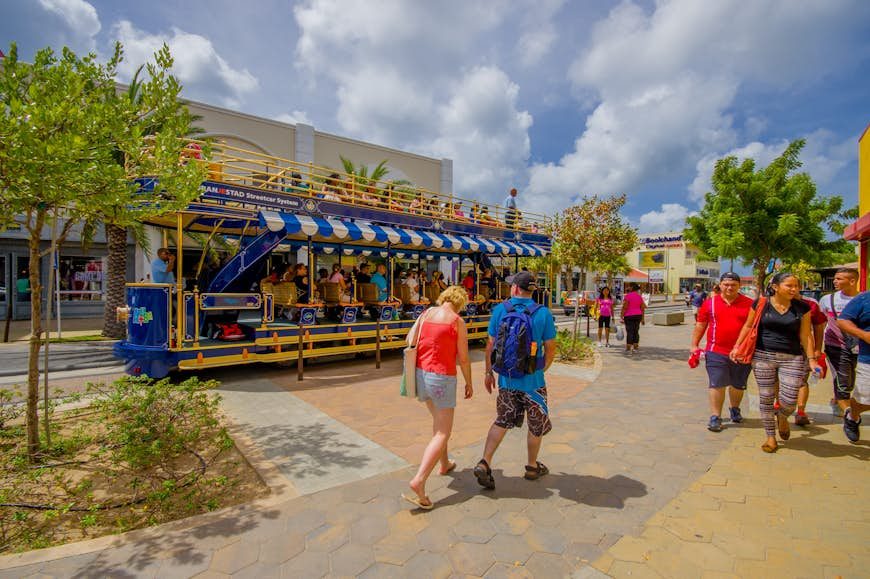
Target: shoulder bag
[409,371]
[746,348]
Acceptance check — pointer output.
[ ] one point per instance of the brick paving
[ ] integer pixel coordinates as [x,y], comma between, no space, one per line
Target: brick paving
[638,487]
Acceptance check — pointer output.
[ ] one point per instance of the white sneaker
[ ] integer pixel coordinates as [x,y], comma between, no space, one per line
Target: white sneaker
[600,345]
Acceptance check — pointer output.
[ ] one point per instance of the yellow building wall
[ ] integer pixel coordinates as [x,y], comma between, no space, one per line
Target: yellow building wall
[864,172]
[680,260]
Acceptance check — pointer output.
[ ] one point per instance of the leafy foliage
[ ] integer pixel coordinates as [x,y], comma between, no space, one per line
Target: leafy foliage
[773,212]
[570,348]
[63,129]
[592,235]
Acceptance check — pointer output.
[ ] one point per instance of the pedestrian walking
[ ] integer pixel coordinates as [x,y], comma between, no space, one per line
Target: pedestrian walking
[696,298]
[633,307]
[521,347]
[854,321]
[841,349]
[783,345]
[721,317]
[604,305]
[442,344]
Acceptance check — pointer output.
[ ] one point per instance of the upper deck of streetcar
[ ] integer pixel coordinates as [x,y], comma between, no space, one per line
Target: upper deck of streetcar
[321,202]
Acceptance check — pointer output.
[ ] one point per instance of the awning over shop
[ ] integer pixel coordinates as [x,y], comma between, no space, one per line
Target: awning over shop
[338,231]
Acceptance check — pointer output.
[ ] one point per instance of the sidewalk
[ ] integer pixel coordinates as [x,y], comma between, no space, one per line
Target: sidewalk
[19,330]
[638,486]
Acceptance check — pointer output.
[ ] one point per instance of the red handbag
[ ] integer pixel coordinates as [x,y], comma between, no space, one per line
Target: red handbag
[746,348]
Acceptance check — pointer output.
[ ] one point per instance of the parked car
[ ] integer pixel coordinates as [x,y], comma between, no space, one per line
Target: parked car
[587,299]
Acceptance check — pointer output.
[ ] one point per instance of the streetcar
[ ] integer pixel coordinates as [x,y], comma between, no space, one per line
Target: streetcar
[275,211]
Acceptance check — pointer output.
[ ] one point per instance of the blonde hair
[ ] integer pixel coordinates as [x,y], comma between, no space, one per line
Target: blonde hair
[454,294]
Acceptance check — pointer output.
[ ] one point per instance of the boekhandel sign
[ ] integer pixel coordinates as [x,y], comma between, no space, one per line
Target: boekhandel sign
[651,259]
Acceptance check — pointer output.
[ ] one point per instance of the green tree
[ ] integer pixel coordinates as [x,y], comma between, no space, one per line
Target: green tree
[768,213]
[590,235]
[152,108]
[62,129]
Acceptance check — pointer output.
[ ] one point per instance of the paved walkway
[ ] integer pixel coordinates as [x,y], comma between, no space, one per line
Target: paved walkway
[638,486]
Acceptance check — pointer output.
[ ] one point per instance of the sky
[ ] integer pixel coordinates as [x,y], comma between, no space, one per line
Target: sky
[557,98]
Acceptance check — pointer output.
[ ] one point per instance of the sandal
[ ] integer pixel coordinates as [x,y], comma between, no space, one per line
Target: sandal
[418,502]
[451,466]
[536,472]
[783,434]
[484,475]
[768,448]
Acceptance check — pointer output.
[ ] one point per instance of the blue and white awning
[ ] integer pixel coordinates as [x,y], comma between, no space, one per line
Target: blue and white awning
[338,231]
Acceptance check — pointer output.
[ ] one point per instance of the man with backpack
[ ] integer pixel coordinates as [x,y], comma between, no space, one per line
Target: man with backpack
[521,346]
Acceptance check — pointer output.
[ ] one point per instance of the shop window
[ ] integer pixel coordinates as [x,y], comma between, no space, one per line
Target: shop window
[81,278]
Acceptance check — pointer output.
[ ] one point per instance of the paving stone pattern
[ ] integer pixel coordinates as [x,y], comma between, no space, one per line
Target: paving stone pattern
[638,487]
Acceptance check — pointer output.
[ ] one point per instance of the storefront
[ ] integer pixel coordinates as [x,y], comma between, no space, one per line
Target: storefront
[80,281]
[860,230]
[671,264]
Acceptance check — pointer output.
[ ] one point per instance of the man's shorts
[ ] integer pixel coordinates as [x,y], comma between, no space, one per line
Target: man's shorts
[604,322]
[695,309]
[513,405]
[439,388]
[842,364]
[722,371]
[861,393]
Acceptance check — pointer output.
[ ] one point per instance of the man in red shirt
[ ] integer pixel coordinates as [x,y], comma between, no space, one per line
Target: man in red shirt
[722,317]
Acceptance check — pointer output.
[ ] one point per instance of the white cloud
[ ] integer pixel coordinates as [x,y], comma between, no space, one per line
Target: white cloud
[294,117]
[665,81]
[671,217]
[420,76]
[49,23]
[79,15]
[205,74]
[538,30]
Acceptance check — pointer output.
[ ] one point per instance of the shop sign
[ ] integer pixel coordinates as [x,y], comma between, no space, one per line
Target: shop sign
[657,276]
[659,241]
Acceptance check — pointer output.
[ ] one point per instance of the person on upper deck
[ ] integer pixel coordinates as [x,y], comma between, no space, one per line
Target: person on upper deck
[510,205]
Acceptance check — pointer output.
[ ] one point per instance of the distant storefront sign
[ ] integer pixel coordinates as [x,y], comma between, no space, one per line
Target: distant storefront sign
[651,259]
[658,241]
[657,276]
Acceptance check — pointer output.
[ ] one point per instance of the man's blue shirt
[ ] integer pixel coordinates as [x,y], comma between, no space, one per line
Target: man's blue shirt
[380,281]
[698,297]
[857,311]
[543,330]
[510,202]
[159,273]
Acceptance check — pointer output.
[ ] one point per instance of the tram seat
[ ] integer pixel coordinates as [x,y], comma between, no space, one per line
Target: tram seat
[432,292]
[330,292]
[504,291]
[284,294]
[368,294]
[404,294]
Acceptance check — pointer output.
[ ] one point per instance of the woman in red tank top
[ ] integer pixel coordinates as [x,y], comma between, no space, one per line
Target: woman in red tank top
[443,344]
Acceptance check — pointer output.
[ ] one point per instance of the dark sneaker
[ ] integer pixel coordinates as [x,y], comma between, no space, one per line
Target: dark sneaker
[735,414]
[715,424]
[801,419]
[850,427]
[536,472]
[484,475]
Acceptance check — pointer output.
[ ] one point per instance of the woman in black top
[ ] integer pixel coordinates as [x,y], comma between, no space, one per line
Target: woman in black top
[785,339]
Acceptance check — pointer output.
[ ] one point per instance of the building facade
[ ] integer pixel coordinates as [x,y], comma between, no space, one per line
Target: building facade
[671,263]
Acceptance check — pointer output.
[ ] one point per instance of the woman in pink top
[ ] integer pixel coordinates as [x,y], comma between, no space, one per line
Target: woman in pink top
[337,276]
[605,312]
[633,307]
[443,343]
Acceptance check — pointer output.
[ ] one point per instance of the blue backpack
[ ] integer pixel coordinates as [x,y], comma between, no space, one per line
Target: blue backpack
[514,355]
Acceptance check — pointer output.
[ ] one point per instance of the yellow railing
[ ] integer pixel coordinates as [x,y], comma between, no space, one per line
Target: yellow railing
[230,165]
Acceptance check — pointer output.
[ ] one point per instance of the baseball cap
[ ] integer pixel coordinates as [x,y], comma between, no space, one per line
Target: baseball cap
[730,275]
[523,280]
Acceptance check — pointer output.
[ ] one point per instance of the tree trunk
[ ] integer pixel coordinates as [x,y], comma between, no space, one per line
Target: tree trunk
[116,277]
[32,414]
[577,306]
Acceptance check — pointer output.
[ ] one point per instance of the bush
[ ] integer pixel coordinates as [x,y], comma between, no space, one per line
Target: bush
[568,349]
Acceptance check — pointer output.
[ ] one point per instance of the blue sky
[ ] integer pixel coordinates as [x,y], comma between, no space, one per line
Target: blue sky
[557,98]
